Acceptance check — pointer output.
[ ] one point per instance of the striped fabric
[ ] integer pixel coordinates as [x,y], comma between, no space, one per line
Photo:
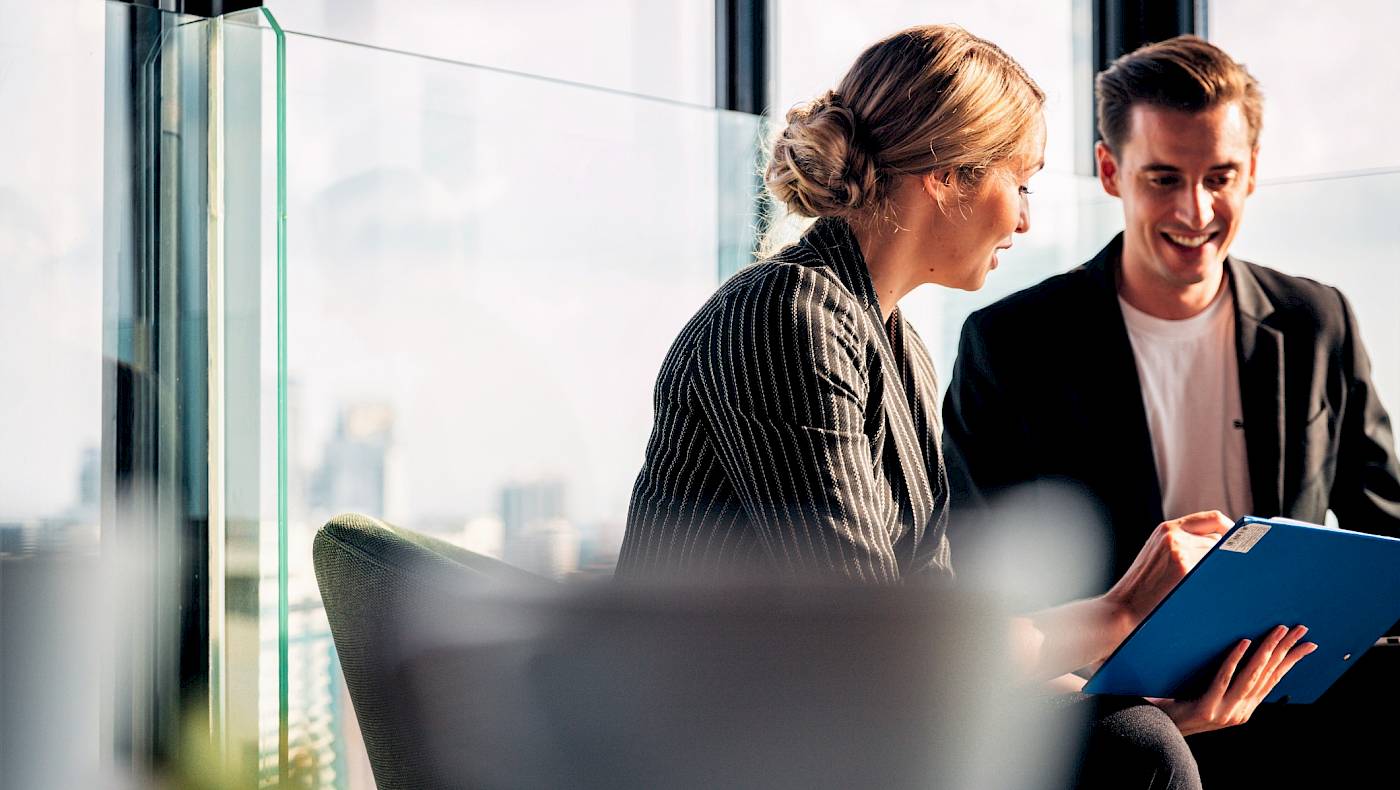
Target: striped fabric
[796,435]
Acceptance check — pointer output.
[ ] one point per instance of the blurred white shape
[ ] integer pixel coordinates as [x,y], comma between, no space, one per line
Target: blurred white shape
[484,535]
[1037,545]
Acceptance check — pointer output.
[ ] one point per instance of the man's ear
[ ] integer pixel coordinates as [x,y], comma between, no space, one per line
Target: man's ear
[1108,168]
[1253,166]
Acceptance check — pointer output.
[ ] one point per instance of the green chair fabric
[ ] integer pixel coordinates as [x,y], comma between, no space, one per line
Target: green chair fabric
[371,576]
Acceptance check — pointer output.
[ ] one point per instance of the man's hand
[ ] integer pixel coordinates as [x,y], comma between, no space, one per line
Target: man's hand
[1232,697]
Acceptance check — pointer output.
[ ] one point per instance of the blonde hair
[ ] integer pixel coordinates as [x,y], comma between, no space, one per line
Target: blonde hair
[926,99]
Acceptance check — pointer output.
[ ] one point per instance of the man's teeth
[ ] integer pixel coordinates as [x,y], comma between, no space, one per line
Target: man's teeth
[1190,241]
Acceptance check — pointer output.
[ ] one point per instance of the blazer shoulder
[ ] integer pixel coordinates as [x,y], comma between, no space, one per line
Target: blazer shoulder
[782,310]
[788,285]
[1289,289]
[1301,301]
[1051,298]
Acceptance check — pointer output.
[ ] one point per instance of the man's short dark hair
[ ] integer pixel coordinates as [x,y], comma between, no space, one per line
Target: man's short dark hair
[1184,73]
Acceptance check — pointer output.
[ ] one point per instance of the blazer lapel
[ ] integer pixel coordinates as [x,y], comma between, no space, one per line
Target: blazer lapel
[836,246]
[1260,349]
[899,420]
[1119,393]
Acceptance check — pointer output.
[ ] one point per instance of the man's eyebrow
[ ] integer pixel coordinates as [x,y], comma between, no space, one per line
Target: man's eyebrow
[1162,167]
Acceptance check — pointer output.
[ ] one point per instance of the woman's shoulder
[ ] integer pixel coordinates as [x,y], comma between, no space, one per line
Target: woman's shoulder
[794,281]
[789,301]
[781,308]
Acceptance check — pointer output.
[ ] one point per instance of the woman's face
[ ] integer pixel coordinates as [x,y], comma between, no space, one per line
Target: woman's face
[971,234]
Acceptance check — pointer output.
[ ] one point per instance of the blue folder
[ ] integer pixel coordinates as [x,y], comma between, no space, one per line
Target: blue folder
[1344,586]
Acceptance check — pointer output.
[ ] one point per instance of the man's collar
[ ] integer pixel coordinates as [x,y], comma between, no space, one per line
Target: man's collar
[1104,266]
[1250,299]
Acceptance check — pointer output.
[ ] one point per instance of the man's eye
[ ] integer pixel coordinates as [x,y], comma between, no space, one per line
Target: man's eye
[1163,181]
[1220,181]
[1026,191]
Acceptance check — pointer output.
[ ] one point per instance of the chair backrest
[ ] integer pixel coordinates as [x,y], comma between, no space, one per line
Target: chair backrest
[372,576]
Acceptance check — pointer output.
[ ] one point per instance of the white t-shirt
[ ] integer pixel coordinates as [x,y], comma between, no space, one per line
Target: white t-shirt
[1190,380]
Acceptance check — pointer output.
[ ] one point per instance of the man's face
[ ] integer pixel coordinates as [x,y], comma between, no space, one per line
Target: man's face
[1183,178]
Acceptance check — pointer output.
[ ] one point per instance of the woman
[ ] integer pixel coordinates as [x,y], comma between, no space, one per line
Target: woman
[797,432]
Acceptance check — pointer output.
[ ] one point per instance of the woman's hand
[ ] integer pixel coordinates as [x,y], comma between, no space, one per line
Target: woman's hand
[1170,553]
[1053,641]
[1232,698]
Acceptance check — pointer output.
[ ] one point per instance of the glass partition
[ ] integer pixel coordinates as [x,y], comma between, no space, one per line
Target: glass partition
[665,50]
[1339,230]
[1320,112]
[1325,201]
[483,272]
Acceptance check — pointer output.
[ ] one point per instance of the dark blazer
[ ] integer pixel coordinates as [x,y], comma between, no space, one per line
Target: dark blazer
[795,433]
[1046,386]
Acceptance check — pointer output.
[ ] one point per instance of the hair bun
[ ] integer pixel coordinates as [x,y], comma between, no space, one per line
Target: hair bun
[821,164]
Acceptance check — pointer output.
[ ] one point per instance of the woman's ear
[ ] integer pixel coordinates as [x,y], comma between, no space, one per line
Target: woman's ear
[939,185]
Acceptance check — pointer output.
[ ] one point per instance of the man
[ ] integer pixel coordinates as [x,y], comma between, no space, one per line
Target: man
[1164,376]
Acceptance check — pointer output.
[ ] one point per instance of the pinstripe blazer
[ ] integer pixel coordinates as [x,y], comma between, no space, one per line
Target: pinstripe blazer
[796,434]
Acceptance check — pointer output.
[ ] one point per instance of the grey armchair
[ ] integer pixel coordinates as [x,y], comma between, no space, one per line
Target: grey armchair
[372,577]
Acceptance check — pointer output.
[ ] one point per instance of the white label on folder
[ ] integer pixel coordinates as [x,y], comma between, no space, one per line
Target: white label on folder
[1244,538]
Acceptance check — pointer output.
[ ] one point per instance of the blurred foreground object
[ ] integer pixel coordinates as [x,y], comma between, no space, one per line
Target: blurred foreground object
[467,672]
[51,654]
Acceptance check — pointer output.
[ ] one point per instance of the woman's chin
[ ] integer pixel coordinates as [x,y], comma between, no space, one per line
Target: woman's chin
[971,281]
[975,282]
[978,277]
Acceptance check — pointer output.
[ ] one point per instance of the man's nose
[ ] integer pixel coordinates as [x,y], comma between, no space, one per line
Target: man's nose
[1195,207]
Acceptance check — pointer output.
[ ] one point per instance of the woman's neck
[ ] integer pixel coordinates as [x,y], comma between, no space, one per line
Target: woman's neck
[890,254]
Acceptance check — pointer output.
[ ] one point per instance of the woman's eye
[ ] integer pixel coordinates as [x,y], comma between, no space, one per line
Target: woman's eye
[1026,191]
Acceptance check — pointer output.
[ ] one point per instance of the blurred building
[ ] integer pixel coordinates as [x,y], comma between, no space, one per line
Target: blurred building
[358,472]
[598,549]
[483,535]
[358,468]
[537,535]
